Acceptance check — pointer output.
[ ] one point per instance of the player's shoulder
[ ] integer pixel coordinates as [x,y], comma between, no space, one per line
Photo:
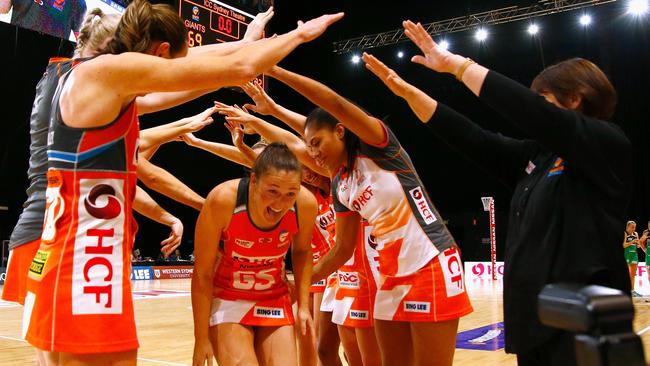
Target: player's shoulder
[224,194]
[306,200]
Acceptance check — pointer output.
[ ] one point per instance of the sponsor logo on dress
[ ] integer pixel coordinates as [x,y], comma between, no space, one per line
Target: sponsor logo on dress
[284,234]
[244,243]
[359,314]
[423,206]
[320,283]
[97,263]
[38,263]
[453,272]
[362,199]
[417,307]
[265,240]
[266,312]
[326,219]
[348,279]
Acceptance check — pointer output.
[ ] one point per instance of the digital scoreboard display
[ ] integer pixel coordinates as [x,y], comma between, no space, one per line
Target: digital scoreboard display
[211,21]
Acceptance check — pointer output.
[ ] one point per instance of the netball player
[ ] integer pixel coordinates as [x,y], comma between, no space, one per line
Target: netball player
[631,242]
[353,292]
[421,294]
[92,157]
[240,298]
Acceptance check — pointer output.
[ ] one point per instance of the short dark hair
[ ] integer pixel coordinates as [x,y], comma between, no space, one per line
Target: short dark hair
[320,118]
[276,156]
[579,77]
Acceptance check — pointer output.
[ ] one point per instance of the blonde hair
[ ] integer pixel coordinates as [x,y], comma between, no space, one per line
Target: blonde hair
[143,24]
[95,30]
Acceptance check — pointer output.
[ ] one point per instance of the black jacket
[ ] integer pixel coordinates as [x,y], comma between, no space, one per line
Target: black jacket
[571,187]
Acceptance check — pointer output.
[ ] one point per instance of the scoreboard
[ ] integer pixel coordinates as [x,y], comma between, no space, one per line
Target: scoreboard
[212,21]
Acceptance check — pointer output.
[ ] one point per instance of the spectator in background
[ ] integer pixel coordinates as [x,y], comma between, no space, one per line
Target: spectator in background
[176,256]
[630,243]
[57,18]
[643,243]
[136,255]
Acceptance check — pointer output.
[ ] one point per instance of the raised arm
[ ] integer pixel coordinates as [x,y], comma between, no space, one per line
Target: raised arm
[151,138]
[369,129]
[578,139]
[212,220]
[272,133]
[225,151]
[347,232]
[146,206]
[154,102]
[130,74]
[267,106]
[501,156]
[165,183]
[301,257]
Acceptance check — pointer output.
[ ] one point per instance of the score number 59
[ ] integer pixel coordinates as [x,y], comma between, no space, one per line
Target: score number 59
[194,38]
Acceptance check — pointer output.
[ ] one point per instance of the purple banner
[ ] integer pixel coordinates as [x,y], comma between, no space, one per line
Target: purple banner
[487,338]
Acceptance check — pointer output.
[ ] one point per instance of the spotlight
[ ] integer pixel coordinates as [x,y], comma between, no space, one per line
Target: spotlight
[637,7]
[533,29]
[585,20]
[400,54]
[444,44]
[481,35]
[356,59]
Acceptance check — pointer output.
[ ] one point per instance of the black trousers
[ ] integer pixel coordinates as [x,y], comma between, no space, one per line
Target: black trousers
[557,351]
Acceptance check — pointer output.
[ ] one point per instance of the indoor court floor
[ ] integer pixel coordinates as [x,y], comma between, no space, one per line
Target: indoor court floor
[164,323]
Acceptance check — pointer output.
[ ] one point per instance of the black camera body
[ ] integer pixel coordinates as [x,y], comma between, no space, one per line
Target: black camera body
[602,319]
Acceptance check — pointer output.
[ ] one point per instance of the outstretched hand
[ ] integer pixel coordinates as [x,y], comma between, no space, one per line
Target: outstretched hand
[263,102]
[310,30]
[389,77]
[196,123]
[255,29]
[170,244]
[236,115]
[236,133]
[434,57]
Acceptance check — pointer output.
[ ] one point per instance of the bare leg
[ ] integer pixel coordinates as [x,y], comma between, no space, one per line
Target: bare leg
[328,341]
[437,339]
[368,347]
[233,344]
[350,346]
[275,346]
[394,339]
[126,358]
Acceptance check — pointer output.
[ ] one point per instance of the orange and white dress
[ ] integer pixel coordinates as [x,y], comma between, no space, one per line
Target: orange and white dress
[323,237]
[357,284]
[250,284]
[421,276]
[78,288]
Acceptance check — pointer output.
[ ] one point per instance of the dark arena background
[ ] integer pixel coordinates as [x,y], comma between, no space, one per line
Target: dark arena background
[617,42]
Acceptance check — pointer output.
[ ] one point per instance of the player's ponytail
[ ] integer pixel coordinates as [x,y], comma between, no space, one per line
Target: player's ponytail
[95,30]
[143,24]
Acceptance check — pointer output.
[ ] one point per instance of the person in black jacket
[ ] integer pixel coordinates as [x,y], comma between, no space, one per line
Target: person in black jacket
[571,180]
